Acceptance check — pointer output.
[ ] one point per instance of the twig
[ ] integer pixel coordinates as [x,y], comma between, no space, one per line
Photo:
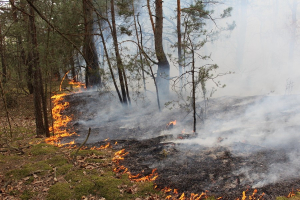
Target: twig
[87,137]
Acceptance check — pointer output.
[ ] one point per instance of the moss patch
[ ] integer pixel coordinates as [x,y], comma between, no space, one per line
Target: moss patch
[62,170]
[26,195]
[59,191]
[43,149]
[57,161]
[29,169]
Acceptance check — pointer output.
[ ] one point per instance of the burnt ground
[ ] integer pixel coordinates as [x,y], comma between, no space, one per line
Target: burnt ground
[245,143]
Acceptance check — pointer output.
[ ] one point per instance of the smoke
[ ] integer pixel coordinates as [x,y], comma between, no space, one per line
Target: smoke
[258,110]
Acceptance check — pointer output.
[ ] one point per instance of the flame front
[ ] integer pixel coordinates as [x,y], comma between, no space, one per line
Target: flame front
[122,169]
[254,196]
[59,122]
[76,84]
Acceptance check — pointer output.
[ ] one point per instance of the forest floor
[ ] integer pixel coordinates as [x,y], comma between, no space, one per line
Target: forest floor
[32,169]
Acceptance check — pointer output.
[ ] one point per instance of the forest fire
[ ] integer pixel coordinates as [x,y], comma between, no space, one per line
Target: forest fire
[60,121]
[122,169]
[76,84]
[171,124]
[196,171]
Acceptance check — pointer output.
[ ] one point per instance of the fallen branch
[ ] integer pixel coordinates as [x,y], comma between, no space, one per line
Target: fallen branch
[87,137]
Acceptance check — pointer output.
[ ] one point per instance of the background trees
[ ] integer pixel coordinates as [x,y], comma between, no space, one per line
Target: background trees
[124,44]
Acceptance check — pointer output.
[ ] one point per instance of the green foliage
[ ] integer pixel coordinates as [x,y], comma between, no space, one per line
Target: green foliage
[125,8]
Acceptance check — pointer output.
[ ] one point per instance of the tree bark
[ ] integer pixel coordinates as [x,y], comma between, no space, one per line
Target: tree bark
[163,72]
[2,54]
[118,57]
[93,78]
[34,64]
[193,88]
[179,41]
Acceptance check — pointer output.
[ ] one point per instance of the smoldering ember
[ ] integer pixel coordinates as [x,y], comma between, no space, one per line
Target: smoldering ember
[246,143]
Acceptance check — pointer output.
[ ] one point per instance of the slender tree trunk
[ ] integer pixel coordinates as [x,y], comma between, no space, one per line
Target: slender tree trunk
[163,72]
[2,54]
[150,15]
[93,78]
[179,41]
[139,51]
[152,74]
[126,86]
[193,89]
[109,64]
[118,57]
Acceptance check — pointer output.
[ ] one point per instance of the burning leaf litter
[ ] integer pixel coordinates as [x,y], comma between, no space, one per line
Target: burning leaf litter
[119,156]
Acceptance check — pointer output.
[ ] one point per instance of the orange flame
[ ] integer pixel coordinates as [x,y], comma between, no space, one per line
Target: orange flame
[77,85]
[172,122]
[119,155]
[60,121]
[101,147]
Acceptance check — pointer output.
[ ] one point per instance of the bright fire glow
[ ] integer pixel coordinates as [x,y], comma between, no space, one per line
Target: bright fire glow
[78,85]
[59,121]
[122,169]
[172,122]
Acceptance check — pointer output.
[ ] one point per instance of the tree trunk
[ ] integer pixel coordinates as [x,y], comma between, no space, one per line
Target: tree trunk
[193,89]
[37,87]
[118,57]
[2,54]
[93,78]
[163,72]
[179,41]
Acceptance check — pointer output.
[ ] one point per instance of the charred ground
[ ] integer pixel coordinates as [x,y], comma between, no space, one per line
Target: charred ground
[223,160]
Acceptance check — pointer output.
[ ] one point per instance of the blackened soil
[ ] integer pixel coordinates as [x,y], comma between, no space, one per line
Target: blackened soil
[221,170]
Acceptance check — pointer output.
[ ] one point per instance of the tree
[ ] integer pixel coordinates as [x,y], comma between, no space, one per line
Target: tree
[163,72]
[2,55]
[89,50]
[38,91]
[121,70]
[195,37]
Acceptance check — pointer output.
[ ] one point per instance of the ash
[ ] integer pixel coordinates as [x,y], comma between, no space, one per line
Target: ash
[245,142]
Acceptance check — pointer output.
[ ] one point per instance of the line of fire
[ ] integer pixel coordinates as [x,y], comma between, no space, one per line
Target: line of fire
[178,168]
